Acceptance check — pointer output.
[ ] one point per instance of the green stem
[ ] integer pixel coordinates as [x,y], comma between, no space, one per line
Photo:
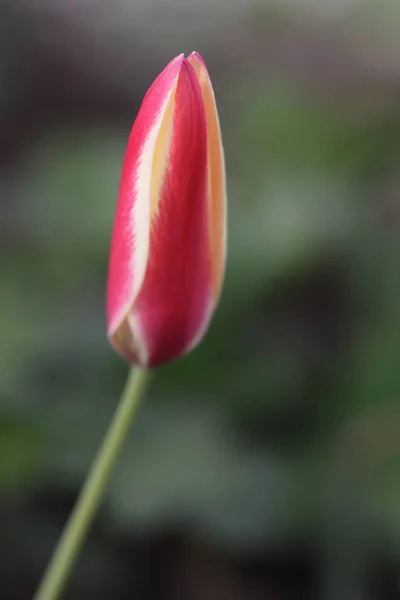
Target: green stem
[92,492]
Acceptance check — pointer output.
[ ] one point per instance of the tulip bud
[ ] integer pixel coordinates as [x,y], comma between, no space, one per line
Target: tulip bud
[169,239]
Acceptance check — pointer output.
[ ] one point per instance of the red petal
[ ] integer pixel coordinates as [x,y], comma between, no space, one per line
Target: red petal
[174,305]
[216,179]
[126,269]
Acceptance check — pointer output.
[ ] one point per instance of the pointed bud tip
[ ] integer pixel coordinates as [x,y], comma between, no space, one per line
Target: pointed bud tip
[197,56]
[178,59]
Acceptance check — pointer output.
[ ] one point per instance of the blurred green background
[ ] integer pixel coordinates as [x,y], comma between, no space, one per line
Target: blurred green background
[266,465]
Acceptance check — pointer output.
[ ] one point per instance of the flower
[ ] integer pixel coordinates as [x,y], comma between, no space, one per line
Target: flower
[168,246]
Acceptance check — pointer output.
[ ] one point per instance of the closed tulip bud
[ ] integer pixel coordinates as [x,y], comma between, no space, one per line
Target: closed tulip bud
[169,239]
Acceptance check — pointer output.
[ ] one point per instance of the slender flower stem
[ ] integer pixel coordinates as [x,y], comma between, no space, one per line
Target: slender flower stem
[92,492]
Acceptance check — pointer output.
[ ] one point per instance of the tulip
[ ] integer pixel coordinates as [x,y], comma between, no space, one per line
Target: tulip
[168,246]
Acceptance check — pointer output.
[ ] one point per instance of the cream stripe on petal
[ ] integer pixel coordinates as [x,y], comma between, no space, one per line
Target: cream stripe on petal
[148,184]
[138,344]
[216,177]
[148,180]
[160,157]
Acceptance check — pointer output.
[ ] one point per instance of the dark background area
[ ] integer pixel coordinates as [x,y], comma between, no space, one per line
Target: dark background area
[266,465]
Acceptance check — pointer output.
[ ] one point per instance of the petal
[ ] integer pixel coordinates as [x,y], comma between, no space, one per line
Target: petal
[216,177]
[174,305]
[139,190]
